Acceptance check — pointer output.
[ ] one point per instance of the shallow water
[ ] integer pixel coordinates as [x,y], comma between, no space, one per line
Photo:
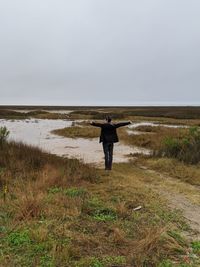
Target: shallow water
[50,111]
[154,124]
[132,132]
[38,132]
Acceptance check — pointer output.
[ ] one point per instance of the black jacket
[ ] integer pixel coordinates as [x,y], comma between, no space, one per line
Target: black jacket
[109,131]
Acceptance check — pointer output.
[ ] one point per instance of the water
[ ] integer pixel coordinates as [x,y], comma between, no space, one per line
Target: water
[37,132]
[154,124]
[49,111]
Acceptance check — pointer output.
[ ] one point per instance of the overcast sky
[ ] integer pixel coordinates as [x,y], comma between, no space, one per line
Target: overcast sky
[100,52]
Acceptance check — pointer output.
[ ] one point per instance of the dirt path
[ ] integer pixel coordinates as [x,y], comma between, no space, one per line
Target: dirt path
[181,196]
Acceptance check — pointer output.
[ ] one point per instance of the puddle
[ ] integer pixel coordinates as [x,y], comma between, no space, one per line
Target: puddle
[132,132]
[38,133]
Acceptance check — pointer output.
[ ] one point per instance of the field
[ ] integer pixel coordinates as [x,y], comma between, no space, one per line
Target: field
[61,212]
[174,115]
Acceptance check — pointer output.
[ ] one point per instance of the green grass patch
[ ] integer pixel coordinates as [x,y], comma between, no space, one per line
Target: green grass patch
[177,236]
[104,215]
[102,262]
[75,192]
[70,192]
[17,239]
[196,246]
[99,210]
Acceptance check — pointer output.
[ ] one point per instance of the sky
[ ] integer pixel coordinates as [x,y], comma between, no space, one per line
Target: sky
[99,52]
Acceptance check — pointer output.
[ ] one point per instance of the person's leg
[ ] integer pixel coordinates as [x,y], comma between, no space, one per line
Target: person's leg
[106,155]
[111,145]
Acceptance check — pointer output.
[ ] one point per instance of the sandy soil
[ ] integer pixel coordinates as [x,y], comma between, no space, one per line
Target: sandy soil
[37,132]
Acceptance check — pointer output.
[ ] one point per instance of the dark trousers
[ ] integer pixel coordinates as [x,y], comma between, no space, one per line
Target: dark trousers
[108,152]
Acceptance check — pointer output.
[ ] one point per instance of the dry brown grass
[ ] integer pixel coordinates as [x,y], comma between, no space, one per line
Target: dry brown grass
[174,168]
[62,225]
[78,132]
[28,206]
[153,141]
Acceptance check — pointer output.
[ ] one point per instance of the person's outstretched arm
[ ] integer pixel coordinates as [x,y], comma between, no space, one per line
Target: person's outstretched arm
[120,124]
[96,124]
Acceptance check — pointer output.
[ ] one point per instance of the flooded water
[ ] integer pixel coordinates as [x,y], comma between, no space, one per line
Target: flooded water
[38,132]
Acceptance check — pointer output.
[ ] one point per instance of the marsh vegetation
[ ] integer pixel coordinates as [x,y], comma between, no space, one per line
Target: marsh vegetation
[57,211]
[170,147]
[173,115]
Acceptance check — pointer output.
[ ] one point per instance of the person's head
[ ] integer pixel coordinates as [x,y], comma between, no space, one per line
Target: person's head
[108,119]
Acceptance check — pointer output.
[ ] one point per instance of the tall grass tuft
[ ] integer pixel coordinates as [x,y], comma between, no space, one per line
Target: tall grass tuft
[186,149]
[4,133]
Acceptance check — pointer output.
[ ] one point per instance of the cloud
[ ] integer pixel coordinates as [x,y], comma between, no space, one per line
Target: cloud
[99,52]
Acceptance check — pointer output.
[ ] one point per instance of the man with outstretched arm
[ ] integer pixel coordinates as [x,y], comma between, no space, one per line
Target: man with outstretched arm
[108,137]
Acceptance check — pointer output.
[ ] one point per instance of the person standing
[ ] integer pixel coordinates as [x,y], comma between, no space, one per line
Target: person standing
[108,137]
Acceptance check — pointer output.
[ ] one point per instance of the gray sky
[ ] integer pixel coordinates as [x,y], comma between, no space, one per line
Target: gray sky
[100,52]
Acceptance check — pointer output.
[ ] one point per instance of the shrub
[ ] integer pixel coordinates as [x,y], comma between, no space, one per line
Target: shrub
[172,147]
[4,133]
[186,148]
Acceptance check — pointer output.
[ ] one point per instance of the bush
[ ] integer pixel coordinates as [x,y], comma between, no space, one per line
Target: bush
[172,147]
[186,149]
[4,133]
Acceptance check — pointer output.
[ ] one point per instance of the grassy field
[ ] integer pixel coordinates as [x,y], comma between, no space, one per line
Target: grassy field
[61,212]
[57,212]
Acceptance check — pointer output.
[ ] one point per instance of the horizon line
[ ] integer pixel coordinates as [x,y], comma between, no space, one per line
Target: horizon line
[103,106]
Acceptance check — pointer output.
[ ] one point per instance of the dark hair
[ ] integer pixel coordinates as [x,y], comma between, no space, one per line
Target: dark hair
[108,119]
